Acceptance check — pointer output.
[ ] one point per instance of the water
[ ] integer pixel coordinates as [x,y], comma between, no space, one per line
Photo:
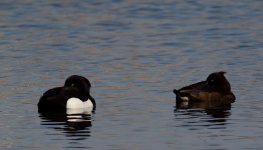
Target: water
[134,53]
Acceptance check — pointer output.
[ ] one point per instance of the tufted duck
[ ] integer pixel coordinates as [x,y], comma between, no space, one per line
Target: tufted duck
[75,94]
[215,88]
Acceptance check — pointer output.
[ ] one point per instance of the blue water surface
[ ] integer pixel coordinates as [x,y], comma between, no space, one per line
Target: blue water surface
[134,53]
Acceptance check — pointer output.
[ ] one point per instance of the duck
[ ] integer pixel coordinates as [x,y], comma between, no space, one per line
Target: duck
[75,94]
[215,89]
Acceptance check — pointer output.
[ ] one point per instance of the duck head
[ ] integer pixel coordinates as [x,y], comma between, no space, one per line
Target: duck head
[218,81]
[79,82]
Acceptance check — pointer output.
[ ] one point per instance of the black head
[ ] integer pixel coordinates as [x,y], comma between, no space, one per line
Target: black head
[217,80]
[79,82]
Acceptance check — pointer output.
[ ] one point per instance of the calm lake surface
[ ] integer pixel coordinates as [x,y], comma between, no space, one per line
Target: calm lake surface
[134,53]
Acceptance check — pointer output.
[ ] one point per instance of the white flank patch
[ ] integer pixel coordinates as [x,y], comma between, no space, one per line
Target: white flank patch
[76,106]
[184,98]
[72,111]
[77,103]
[184,104]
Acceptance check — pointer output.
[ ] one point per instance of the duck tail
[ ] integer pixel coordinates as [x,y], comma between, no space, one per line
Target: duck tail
[176,91]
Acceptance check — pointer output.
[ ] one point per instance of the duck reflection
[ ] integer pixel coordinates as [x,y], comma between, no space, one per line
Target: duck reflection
[73,123]
[216,113]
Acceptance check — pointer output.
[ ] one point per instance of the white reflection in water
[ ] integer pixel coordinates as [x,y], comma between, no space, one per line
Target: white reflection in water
[75,123]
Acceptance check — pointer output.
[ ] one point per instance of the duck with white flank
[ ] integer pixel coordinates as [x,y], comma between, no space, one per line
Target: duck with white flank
[75,94]
[215,88]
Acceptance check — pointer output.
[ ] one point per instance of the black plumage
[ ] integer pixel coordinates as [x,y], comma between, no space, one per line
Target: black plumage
[55,100]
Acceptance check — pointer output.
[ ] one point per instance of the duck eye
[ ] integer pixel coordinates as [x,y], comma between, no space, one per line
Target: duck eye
[211,80]
[72,84]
